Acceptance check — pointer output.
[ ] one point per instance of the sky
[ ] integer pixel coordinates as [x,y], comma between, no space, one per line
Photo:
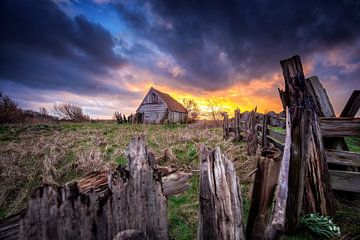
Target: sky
[104,55]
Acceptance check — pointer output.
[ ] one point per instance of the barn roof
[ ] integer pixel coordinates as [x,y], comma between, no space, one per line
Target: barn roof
[172,104]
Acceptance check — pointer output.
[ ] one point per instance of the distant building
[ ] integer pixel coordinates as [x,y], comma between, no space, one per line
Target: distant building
[159,107]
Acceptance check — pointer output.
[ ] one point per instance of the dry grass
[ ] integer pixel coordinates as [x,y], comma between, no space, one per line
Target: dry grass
[34,154]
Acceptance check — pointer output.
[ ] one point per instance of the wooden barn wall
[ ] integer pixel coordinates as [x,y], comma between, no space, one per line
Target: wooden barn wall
[153,112]
[176,117]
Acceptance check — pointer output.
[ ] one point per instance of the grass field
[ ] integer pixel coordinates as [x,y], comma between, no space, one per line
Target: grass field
[33,154]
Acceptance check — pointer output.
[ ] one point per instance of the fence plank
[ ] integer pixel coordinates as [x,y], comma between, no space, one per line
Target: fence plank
[352,106]
[277,223]
[345,181]
[338,127]
[275,143]
[280,137]
[345,158]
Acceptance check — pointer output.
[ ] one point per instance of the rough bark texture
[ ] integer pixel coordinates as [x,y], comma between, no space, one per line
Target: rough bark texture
[263,192]
[264,141]
[226,130]
[307,158]
[237,125]
[277,224]
[318,194]
[251,134]
[134,199]
[337,127]
[324,108]
[220,214]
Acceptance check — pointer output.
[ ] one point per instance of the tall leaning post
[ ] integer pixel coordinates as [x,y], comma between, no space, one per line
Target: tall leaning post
[308,168]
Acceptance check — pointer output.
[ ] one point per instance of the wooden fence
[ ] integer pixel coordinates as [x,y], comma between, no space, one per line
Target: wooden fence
[330,127]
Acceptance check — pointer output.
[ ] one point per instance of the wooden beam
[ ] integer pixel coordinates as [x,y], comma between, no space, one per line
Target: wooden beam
[339,127]
[352,106]
[322,104]
[345,158]
[280,137]
[324,108]
[345,181]
[275,143]
[278,219]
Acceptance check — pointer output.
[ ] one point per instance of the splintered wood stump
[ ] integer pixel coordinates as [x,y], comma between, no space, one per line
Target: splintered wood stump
[220,214]
[133,205]
[265,182]
[251,134]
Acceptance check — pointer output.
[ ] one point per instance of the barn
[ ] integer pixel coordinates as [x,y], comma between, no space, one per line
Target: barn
[159,107]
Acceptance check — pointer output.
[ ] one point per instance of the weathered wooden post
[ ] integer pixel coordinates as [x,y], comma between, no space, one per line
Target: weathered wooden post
[307,160]
[220,214]
[251,134]
[132,204]
[226,125]
[266,178]
[237,125]
[264,141]
[276,226]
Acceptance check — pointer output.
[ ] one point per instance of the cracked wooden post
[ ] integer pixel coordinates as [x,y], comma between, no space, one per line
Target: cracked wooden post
[220,214]
[132,204]
[276,226]
[237,125]
[307,160]
[251,134]
[226,129]
[266,178]
[264,141]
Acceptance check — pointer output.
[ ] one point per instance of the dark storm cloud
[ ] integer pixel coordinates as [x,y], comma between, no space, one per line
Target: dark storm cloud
[214,40]
[41,47]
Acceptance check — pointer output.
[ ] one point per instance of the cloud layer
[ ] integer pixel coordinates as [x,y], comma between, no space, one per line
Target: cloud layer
[200,49]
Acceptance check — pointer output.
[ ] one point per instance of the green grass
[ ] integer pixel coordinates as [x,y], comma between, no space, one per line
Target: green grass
[277,129]
[353,143]
[122,161]
[182,212]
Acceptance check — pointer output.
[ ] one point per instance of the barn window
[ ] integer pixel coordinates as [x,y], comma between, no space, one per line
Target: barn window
[154,98]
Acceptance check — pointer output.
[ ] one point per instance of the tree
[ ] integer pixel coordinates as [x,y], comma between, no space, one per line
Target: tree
[9,111]
[43,111]
[70,112]
[216,110]
[193,110]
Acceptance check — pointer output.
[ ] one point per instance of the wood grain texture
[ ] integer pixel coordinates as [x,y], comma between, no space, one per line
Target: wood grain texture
[345,158]
[280,137]
[266,178]
[352,106]
[276,227]
[220,213]
[339,127]
[345,181]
